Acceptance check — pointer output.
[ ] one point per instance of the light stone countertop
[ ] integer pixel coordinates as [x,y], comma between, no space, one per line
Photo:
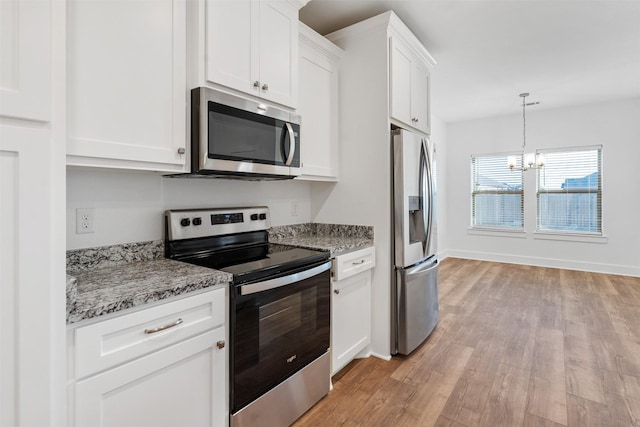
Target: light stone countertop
[110,289]
[109,279]
[337,239]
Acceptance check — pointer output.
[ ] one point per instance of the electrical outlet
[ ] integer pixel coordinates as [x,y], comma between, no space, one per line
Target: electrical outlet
[294,208]
[84,220]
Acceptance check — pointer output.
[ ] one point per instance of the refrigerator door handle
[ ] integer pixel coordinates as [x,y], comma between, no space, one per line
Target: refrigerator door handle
[425,193]
[430,191]
[422,268]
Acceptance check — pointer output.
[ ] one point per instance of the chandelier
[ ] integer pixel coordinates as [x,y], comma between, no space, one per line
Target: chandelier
[529,160]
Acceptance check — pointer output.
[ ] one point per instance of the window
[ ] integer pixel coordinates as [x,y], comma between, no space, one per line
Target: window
[496,193]
[570,191]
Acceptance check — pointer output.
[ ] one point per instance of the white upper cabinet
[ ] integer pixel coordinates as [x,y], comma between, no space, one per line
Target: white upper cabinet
[409,85]
[319,63]
[25,59]
[126,84]
[252,46]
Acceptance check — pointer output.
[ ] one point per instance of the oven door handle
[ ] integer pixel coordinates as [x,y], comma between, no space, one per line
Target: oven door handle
[283,281]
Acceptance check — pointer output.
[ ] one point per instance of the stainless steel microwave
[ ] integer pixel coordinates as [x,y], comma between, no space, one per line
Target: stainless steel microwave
[234,137]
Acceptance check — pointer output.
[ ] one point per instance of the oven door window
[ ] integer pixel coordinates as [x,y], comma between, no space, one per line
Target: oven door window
[276,333]
[240,135]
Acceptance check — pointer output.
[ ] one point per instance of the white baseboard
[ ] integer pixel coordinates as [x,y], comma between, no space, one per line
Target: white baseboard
[624,270]
[386,357]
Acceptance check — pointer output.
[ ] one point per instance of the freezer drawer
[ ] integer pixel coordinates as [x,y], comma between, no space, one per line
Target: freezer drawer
[417,304]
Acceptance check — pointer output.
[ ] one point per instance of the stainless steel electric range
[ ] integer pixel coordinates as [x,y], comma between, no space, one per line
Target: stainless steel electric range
[279,313]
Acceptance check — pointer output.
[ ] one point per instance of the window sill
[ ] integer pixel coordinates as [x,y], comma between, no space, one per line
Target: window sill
[518,234]
[566,237]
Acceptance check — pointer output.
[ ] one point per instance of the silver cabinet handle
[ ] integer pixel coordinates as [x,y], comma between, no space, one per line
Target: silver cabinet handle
[220,344]
[162,328]
[256,84]
[358,263]
[336,291]
[265,87]
[181,150]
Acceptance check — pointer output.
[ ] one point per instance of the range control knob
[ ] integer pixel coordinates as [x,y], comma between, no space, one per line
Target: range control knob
[254,217]
[197,221]
[185,222]
[263,216]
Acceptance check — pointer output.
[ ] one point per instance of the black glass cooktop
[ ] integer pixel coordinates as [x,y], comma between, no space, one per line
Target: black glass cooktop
[249,263]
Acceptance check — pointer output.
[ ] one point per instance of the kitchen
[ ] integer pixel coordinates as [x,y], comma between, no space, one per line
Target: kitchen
[128,204]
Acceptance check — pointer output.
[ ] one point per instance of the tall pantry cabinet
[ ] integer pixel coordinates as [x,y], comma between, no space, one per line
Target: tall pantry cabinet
[377,88]
[32,212]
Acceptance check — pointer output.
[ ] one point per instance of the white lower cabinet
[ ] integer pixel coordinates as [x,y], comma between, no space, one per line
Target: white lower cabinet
[183,385]
[161,366]
[351,308]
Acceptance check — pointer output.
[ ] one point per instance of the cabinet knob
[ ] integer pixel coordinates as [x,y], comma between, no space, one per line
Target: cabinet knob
[265,87]
[181,150]
[256,84]
[336,291]
[417,120]
[220,344]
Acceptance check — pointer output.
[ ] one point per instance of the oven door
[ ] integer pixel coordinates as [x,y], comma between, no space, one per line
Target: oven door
[278,326]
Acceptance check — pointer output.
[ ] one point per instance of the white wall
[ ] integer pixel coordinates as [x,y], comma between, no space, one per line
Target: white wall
[129,205]
[615,125]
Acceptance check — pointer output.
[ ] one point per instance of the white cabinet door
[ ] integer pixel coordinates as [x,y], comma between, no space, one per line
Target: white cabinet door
[420,99]
[183,385]
[25,59]
[351,318]
[409,87]
[318,106]
[127,84]
[231,44]
[279,52]
[400,87]
[27,199]
[252,47]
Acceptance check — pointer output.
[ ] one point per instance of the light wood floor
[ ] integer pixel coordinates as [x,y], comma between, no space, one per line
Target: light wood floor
[515,346]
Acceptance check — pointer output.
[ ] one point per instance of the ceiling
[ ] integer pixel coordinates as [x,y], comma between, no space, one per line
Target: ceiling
[564,52]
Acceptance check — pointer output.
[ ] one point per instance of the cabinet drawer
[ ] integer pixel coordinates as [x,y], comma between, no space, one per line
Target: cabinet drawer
[109,343]
[353,263]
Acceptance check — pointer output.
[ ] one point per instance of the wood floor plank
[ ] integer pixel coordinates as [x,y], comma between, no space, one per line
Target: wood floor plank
[547,401]
[508,397]
[586,413]
[531,420]
[584,381]
[515,346]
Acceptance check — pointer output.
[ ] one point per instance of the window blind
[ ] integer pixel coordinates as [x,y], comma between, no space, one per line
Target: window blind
[570,191]
[496,193]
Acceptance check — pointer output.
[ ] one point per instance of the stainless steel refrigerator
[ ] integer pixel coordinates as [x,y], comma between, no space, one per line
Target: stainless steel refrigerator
[414,293]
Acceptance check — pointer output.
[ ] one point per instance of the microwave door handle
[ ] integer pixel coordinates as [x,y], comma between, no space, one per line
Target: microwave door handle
[292,144]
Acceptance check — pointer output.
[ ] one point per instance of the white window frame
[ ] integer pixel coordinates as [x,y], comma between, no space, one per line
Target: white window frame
[506,231]
[567,234]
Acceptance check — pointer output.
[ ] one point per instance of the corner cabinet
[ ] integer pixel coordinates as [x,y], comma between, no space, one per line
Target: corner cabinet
[319,65]
[126,84]
[351,306]
[161,366]
[409,86]
[252,46]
